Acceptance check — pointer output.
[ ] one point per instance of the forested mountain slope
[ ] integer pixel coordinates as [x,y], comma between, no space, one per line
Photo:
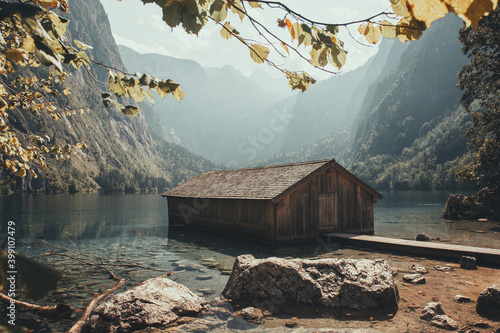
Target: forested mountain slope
[408,132]
[122,154]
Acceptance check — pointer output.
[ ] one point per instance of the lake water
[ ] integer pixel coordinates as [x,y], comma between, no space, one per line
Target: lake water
[121,229]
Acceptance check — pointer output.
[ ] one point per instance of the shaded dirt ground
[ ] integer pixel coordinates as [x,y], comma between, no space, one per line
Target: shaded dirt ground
[440,287]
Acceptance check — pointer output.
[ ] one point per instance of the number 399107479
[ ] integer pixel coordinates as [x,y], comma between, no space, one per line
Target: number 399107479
[11,245]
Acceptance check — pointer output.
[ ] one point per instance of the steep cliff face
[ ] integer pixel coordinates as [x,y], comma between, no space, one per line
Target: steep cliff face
[420,89]
[122,154]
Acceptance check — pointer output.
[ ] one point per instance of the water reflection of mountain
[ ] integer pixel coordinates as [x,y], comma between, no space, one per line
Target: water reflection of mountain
[85,216]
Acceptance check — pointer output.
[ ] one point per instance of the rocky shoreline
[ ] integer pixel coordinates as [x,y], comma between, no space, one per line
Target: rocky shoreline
[304,295]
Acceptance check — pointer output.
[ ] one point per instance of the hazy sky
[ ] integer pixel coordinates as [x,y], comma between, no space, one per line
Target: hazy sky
[141,28]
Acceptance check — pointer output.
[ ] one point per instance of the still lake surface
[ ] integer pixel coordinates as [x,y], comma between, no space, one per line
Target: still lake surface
[124,229]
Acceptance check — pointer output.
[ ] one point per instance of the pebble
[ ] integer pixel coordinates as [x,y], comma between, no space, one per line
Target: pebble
[462,299]
[419,269]
[414,278]
[206,291]
[443,268]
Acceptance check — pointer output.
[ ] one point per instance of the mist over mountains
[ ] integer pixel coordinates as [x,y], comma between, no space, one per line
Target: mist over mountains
[394,121]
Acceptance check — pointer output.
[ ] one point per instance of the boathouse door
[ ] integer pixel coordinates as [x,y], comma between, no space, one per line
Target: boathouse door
[327,206]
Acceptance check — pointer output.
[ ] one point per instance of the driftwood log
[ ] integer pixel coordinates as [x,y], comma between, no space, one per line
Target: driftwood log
[77,327]
[59,311]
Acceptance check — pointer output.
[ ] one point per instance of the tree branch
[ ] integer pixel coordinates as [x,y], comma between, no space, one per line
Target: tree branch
[59,311]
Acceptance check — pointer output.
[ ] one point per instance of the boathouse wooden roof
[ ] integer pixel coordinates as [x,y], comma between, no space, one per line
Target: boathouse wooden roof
[262,183]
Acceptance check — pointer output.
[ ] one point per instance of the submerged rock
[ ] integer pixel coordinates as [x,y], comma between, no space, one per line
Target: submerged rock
[336,285]
[155,303]
[250,314]
[422,238]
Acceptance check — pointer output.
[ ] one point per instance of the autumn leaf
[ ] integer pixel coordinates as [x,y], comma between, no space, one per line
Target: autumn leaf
[400,8]
[82,45]
[29,44]
[388,29]
[372,33]
[218,11]
[178,94]
[228,31]
[471,11]
[283,45]
[16,55]
[130,110]
[428,11]
[258,53]
[172,13]
[254,4]
[21,173]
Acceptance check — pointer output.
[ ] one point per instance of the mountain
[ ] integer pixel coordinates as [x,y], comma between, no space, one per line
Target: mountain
[124,153]
[399,124]
[331,106]
[225,116]
[421,88]
[411,127]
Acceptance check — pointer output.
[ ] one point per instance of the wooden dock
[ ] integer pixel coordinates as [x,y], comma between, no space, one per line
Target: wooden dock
[432,249]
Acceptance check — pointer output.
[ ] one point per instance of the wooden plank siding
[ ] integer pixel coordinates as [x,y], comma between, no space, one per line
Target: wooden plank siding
[277,203]
[244,218]
[349,208]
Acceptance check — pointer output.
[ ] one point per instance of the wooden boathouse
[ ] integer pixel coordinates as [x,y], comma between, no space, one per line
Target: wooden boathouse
[279,203]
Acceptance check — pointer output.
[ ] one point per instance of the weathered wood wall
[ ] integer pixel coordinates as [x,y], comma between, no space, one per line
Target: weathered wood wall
[329,202]
[245,218]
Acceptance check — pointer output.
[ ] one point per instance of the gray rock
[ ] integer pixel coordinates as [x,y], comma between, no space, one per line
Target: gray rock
[462,299]
[431,310]
[467,262]
[155,303]
[414,278]
[434,313]
[444,268]
[337,285]
[445,322]
[419,269]
[250,314]
[488,302]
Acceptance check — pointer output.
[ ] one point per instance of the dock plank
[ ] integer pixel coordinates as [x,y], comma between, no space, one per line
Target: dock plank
[482,255]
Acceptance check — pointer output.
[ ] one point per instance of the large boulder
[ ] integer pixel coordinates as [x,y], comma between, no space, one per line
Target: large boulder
[155,303]
[483,204]
[488,302]
[340,286]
